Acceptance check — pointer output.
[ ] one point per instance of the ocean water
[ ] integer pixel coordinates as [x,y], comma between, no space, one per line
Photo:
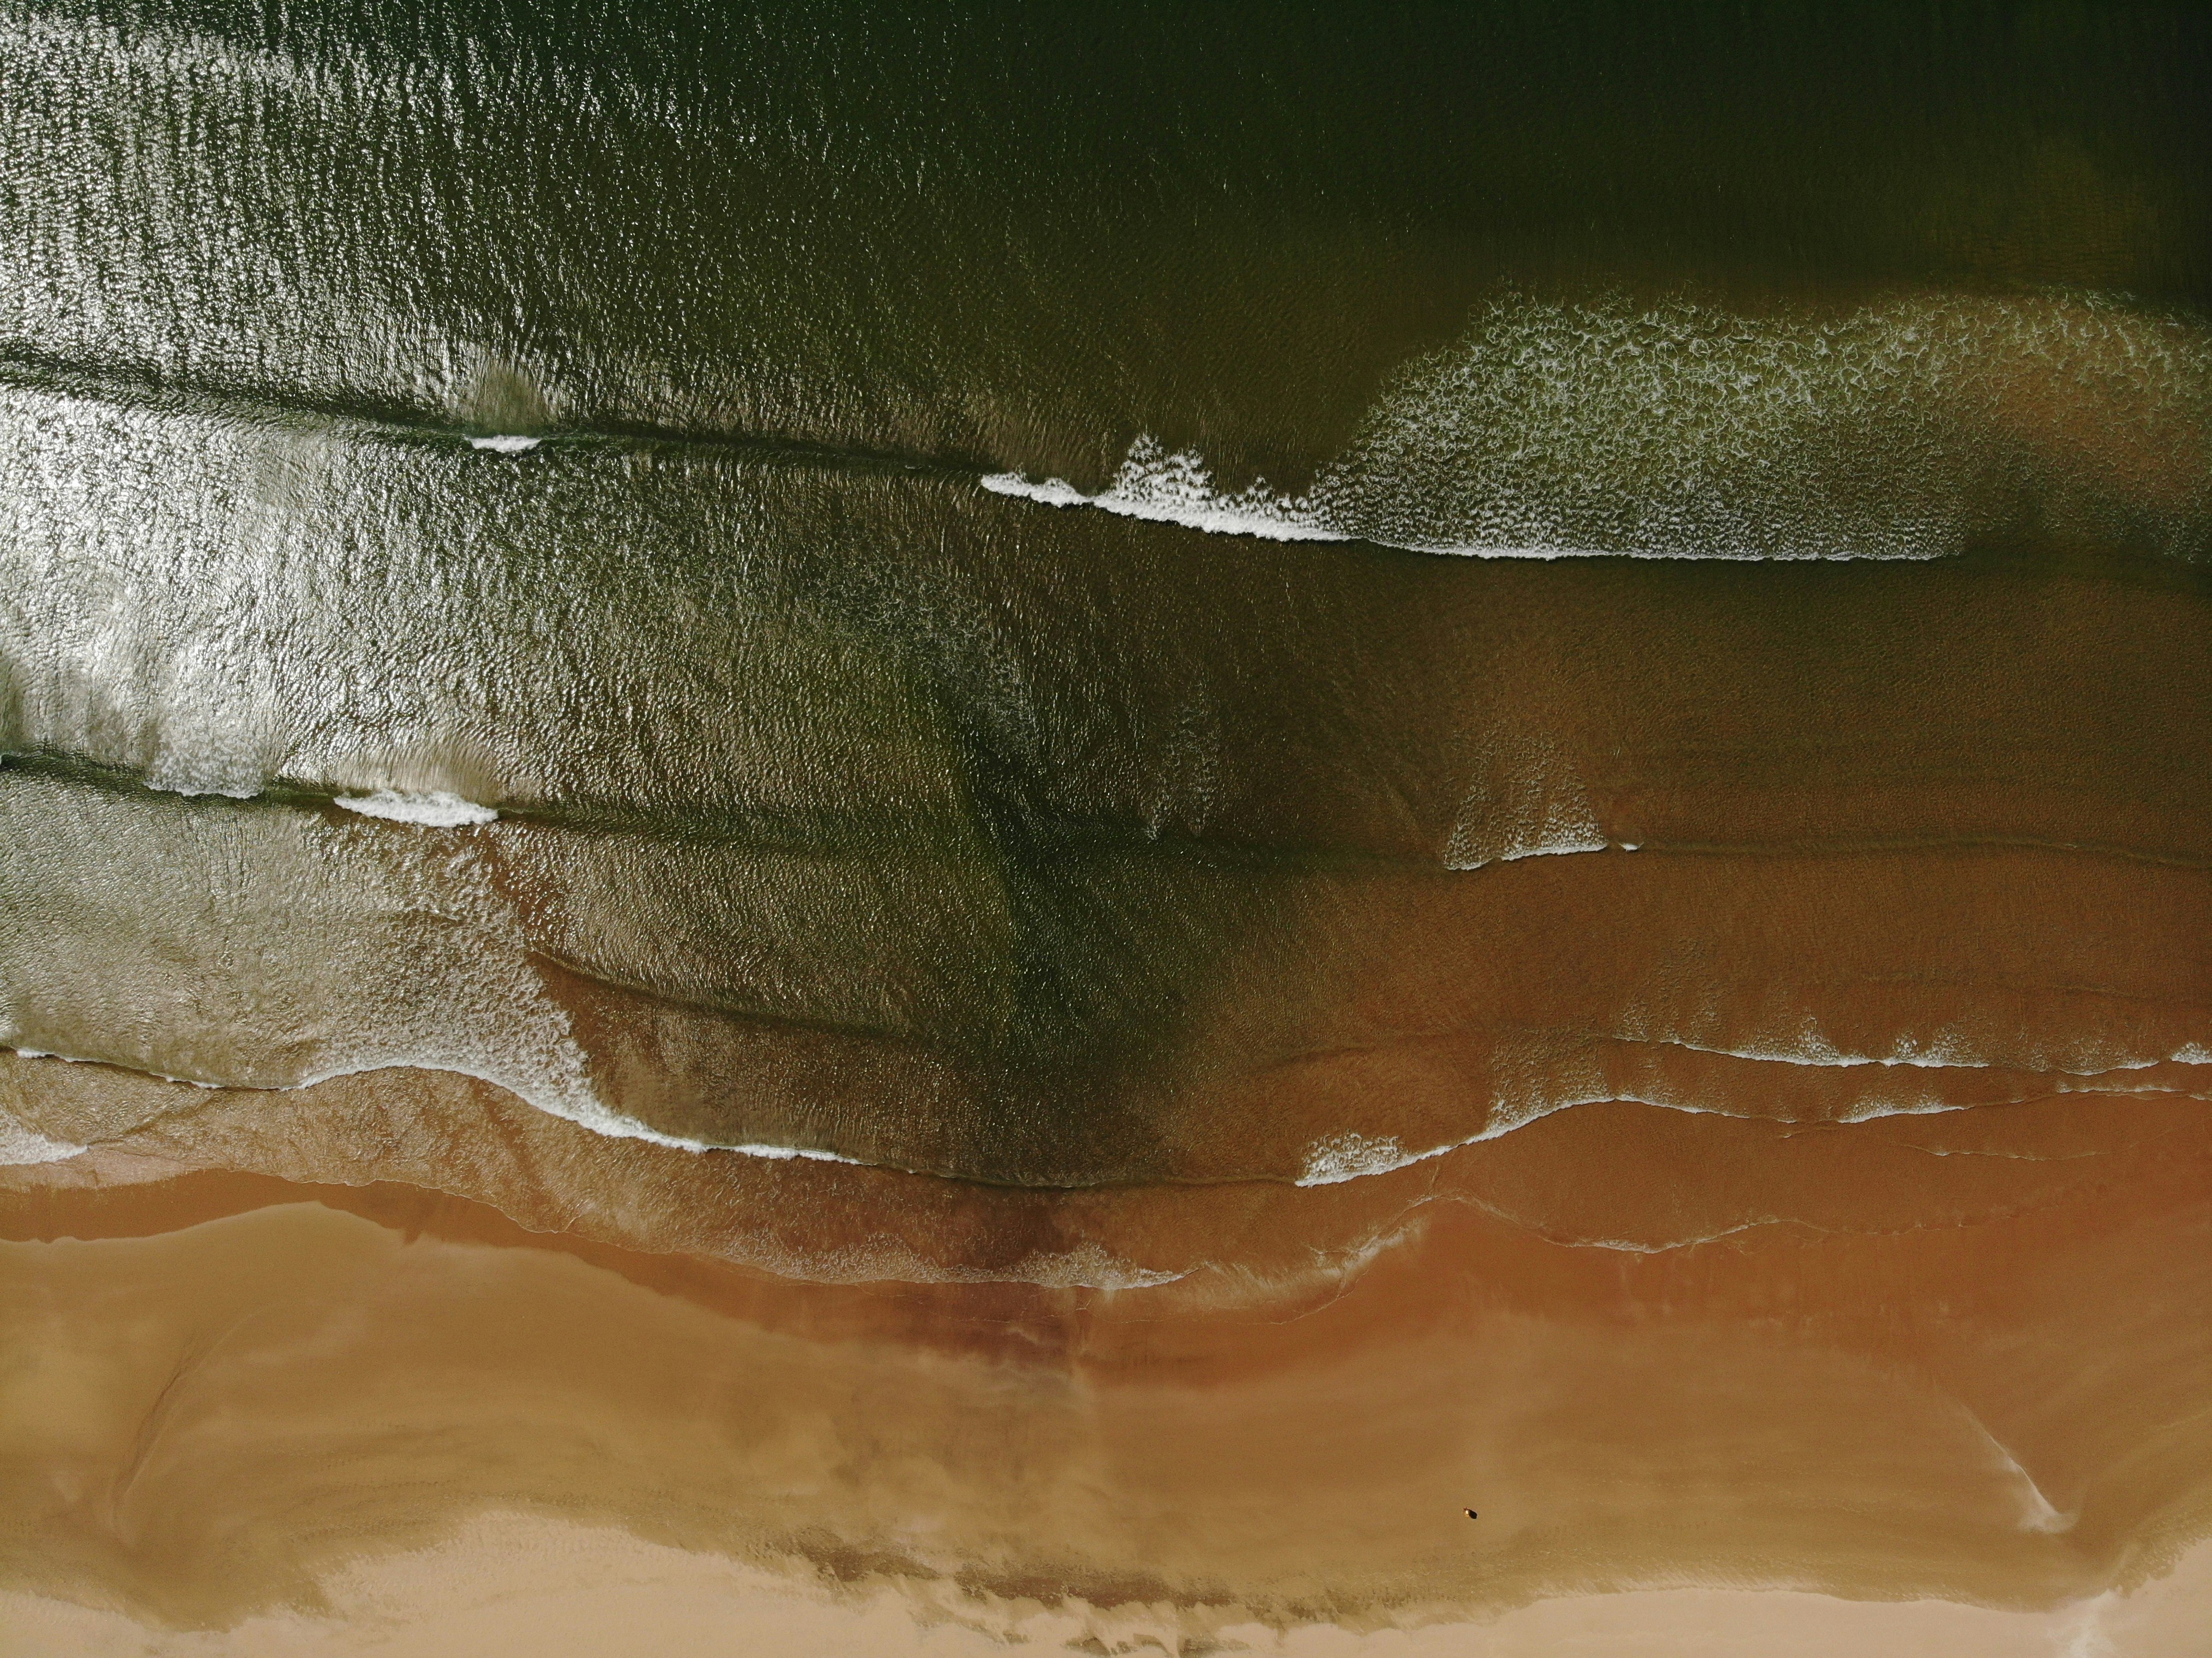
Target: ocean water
[660,468]
[1142,649]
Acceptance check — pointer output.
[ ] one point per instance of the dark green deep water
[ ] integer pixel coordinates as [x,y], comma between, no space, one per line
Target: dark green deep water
[1022,237]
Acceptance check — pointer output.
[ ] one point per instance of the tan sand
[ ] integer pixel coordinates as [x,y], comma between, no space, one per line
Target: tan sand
[205,1419]
[513,1586]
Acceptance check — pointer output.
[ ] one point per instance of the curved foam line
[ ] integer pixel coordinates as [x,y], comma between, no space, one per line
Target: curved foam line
[1330,1160]
[1282,519]
[2187,1054]
[1336,1158]
[598,1119]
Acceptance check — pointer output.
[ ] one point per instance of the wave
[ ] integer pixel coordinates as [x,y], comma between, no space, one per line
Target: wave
[1164,489]
[21,1146]
[704,995]
[1333,1160]
[1910,430]
[1336,1158]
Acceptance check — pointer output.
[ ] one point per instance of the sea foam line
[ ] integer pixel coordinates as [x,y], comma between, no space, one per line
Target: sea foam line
[1085,1265]
[1336,1158]
[431,809]
[1178,488]
[1330,1160]
[1610,428]
[593,1116]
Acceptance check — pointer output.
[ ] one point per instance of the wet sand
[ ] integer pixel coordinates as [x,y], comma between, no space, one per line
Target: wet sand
[1977,1377]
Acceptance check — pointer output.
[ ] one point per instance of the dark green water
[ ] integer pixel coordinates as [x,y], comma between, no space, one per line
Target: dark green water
[1022,239]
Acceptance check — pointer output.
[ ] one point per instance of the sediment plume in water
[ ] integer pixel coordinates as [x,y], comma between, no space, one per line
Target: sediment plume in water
[869,836]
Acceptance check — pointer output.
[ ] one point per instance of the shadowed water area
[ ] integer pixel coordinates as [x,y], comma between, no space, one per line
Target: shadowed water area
[1022,828]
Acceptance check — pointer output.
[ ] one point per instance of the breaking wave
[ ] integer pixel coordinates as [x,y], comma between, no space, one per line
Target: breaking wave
[1911,430]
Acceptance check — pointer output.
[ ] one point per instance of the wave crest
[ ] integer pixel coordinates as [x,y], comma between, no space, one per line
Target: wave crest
[1905,430]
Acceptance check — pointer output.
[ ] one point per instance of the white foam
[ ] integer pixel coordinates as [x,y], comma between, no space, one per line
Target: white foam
[580,1107]
[82,1059]
[20,1146]
[2036,1512]
[1089,1266]
[1052,492]
[1342,1158]
[1178,488]
[1631,1246]
[192,787]
[593,1115]
[776,1153]
[1818,1052]
[1527,800]
[436,809]
[1901,430]
[1140,491]
[1352,1156]
[505,443]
